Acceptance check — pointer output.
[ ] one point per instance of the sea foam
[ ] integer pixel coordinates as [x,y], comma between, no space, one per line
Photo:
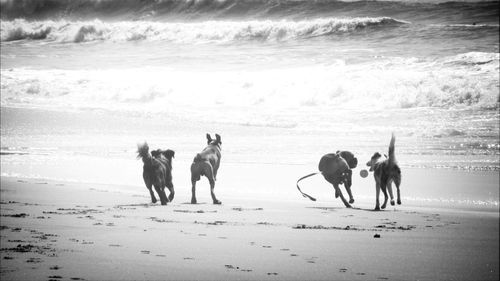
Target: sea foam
[468,80]
[192,32]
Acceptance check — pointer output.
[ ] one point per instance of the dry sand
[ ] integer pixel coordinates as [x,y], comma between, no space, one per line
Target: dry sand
[69,231]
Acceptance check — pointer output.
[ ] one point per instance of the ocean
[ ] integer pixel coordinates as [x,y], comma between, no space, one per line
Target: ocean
[283,82]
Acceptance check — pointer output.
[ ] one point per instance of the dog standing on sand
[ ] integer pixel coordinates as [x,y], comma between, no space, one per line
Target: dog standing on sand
[336,168]
[157,171]
[386,171]
[206,164]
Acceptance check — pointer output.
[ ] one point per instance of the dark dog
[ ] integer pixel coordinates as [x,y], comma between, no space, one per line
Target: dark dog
[336,168]
[386,171]
[206,164]
[165,157]
[157,171]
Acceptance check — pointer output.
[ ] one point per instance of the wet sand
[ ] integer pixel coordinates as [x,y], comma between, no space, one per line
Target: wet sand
[68,231]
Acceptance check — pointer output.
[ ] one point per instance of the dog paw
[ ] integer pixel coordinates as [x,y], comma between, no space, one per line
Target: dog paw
[383,206]
[392,202]
[193,201]
[153,200]
[399,202]
[351,201]
[377,208]
[217,202]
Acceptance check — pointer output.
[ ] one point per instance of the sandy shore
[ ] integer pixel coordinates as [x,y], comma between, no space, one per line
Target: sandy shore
[68,231]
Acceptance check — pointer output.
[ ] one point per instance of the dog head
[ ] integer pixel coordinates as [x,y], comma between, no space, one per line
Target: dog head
[349,158]
[217,142]
[376,156]
[169,154]
[156,153]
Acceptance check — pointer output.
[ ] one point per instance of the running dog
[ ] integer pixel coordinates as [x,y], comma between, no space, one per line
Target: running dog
[157,171]
[165,157]
[386,171]
[206,164]
[336,168]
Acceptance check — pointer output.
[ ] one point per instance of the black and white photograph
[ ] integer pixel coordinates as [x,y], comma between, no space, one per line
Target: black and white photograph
[249,140]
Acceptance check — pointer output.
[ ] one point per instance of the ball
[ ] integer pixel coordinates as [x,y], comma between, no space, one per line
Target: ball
[363,173]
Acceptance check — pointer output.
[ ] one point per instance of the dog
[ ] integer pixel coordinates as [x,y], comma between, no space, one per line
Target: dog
[336,168]
[207,164]
[165,157]
[157,171]
[386,171]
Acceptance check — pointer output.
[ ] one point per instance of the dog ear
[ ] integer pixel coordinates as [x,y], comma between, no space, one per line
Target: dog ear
[217,137]
[209,138]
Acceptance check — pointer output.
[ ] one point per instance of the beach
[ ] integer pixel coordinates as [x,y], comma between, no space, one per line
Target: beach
[66,231]
[74,206]
[83,83]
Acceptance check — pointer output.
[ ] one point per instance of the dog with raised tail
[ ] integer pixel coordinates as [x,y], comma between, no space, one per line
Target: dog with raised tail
[157,171]
[385,171]
[206,163]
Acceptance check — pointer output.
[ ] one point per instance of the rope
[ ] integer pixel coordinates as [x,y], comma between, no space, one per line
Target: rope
[303,194]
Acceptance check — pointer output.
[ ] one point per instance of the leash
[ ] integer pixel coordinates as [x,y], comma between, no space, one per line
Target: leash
[304,177]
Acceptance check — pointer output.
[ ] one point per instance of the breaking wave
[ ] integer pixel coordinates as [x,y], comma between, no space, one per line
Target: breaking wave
[207,31]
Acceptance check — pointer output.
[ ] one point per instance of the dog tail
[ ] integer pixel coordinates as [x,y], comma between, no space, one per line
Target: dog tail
[298,187]
[143,152]
[392,156]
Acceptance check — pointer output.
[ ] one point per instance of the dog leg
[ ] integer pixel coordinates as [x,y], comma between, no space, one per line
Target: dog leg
[332,179]
[212,187]
[193,191]
[351,198]
[384,190]
[215,169]
[170,187]
[397,181]
[389,188]
[209,173]
[161,194]
[337,190]
[165,198]
[348,185]
[153,197]
[195,176]
[377,193]
[149,186]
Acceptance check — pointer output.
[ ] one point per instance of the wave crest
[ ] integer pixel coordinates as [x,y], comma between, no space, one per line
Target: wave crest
[208,31]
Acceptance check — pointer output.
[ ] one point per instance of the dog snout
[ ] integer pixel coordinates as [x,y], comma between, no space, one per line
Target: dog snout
[369,164]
